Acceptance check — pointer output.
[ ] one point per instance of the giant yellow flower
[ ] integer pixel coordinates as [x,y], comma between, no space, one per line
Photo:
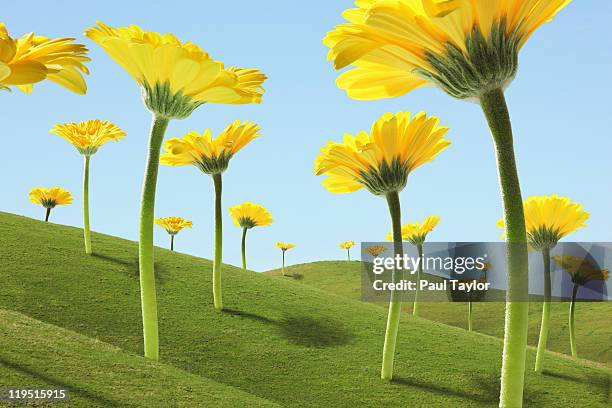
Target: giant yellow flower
[249,215]
[382,160]
[34,58]
[210,155]
[50,198]
[176,76]
[550,218]
[465,47]
[416,233]
[87,137]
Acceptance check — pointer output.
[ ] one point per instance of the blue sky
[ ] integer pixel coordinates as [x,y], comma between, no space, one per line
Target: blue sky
[560,107]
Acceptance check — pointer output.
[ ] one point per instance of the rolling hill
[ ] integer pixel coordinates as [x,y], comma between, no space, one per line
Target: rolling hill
[278,340]
[593,330]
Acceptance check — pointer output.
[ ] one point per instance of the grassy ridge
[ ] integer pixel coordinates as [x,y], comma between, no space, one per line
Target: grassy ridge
[279,339]
[36,354]
[593,328]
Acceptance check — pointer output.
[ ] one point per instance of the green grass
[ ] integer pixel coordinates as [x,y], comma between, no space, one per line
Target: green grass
[36,354]
[279,339]
[593,329]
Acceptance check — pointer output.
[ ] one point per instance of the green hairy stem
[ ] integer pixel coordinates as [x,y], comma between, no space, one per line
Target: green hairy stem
[244,233]
[86,230]
[494,106]
[217,295]
[148,294]
[572,327]
[395,303]
[415,307]
[545,312]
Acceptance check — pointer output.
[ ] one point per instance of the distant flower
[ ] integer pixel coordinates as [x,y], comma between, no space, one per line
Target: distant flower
[550,218]
[381,160]
[87,137]
[34,58]
[50,198]
[175,79]
[375,250]
[348,245]
[581,272]
[417,232]
[246,216]
[284,247]
[173,225]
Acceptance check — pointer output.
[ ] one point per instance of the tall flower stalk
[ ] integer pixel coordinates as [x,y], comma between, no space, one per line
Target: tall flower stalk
[212,157]
[49,198]
[284,247]
[470,51]
[548,219]
[246,216]
[173,225]
[347,245]
[381,162]
[34,58]
[87,137]
[175,78]
[416,234]
[581,272]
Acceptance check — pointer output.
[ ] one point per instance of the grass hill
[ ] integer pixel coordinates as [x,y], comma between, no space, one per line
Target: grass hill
[278,340]
[593,328]
[36,354]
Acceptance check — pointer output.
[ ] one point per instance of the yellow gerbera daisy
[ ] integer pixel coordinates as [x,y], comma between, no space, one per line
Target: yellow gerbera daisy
[550,218]
[173,225]
[87,137]
[212,156]
[382,160]
[50,198]
[465,47]
[249,215]
[375,250]
[581,270]
[347,244]
[417,232]
[284,246]
[176,76]
[34,58]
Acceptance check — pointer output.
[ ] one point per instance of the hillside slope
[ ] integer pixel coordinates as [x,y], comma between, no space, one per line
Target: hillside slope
[278,339]
[36,354]
[593,328]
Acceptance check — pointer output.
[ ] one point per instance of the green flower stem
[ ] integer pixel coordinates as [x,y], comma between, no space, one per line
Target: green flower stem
[395,303]
[415,307]
[545,312]
[283,269]
[517,307]
[171,242]
[148,295]
[86,230]
[469,314]
[217,296]
[348,253]
[244,232]
[47,213]
[572,327]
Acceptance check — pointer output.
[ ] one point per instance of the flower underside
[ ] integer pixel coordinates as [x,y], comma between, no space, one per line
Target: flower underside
[48,203]
[387,178]
[488,63]
[216,164]
[543,238]
[247,222]
[160,100]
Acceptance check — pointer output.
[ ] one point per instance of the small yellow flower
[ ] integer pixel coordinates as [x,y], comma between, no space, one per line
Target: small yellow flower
[176,76]
[550,218]
[284,246]
[33,58]
[347,244]
[212,156]
[87,137]
[417,232]
[249,215]
[173,225]
[50,197]
[464,47]
[375,250]
[382,160]
[581,270]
